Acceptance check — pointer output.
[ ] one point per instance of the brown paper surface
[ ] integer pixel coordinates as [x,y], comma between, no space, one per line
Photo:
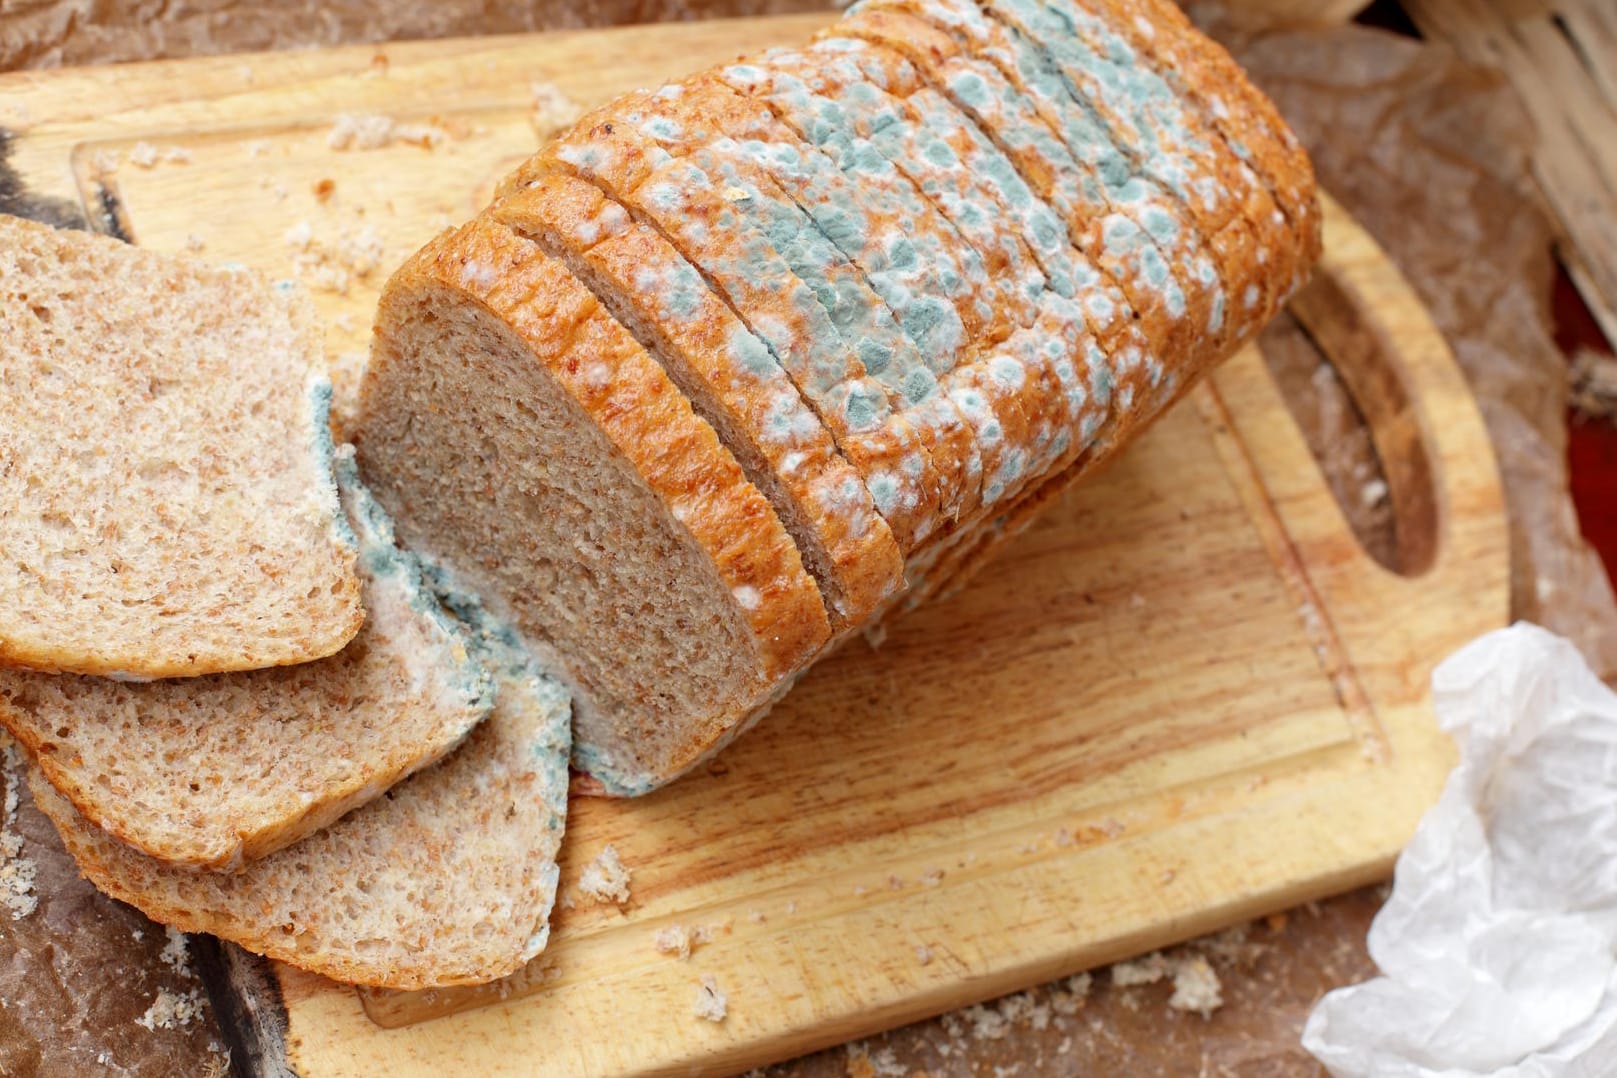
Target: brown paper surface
[1428,154]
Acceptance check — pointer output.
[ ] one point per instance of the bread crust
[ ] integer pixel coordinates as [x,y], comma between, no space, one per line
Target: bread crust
[649,421]
[760,400]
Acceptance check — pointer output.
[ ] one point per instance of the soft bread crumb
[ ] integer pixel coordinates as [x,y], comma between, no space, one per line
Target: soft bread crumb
[1196,987]
[605,879]
[169,1011]
[675,939]
[552,109]
[711,1002]
[145,155]
[923,955]
[17,873]
[883,1064]
[373,131]
[176,952]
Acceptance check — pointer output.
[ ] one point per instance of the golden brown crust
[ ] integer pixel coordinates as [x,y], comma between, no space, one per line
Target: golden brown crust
[649,421]
[1241,112]
[762,406]
[895,458]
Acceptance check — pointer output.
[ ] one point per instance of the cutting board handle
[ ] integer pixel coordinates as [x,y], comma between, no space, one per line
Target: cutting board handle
[1423,421]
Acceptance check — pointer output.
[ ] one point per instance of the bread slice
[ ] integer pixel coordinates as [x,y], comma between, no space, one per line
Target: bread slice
[743,267]
[731,379]
[211,771]
[448,879]
[521,437]
[164,466]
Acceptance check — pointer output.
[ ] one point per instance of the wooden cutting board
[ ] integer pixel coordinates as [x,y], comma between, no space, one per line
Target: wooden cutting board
[1187,697]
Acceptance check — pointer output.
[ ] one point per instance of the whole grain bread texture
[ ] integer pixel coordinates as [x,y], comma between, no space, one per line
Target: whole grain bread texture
[449,879]
[985,244]
[165,471]
[524,441]
[212,771]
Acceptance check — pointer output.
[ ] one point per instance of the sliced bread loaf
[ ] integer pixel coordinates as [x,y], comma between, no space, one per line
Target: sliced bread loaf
[164,466]
[521,436]
[448,879]
[209,771]
[731,379]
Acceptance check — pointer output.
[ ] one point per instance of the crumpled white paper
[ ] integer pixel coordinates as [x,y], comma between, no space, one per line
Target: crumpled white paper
[1498,947]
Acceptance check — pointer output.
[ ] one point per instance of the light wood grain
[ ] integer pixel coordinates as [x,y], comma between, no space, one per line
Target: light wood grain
[1561,56]
[1186,697]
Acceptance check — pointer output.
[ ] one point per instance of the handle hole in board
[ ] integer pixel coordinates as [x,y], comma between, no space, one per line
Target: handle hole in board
[1332,366]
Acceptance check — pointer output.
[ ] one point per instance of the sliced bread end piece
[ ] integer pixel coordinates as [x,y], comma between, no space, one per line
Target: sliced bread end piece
[164,466]
[449,879]
[521,437]
[213,771]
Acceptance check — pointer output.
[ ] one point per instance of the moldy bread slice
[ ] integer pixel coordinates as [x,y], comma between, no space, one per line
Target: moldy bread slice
[521,437]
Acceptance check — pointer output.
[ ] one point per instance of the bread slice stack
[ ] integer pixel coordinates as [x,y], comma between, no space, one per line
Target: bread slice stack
[736,367]
[731,371]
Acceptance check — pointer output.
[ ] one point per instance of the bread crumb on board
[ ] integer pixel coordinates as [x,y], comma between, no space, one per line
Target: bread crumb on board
[176,953]
[674,939]
[327,266]
[1196,987]
[552,109]
[605,879]
[145,155]
[374,131]
[171,1010]
[682,940]
[711,1002]
[17,873]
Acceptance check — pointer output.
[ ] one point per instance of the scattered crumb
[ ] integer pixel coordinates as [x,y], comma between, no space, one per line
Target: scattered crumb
[711,1002]
[176,952]
[104,162]
[567,902]
[987,1023]
[791,907]
[300,236]
[861,890]
[923,955]
[1166,876]
[1196,987]
[1070,996]
[324,189]
[1147,970]
[1065,838]
[327,267]
[169,1011]
[756,916]
[373,131]
[257,148]
[605,879]
[17,873]
[735,194]
[876,636]
[1136,601]
[103,1058]
[1373,493]
[884,1064]
[552,109]
[145,155]
[932,877]
[674,939]
[194,242]
[1006,1071]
